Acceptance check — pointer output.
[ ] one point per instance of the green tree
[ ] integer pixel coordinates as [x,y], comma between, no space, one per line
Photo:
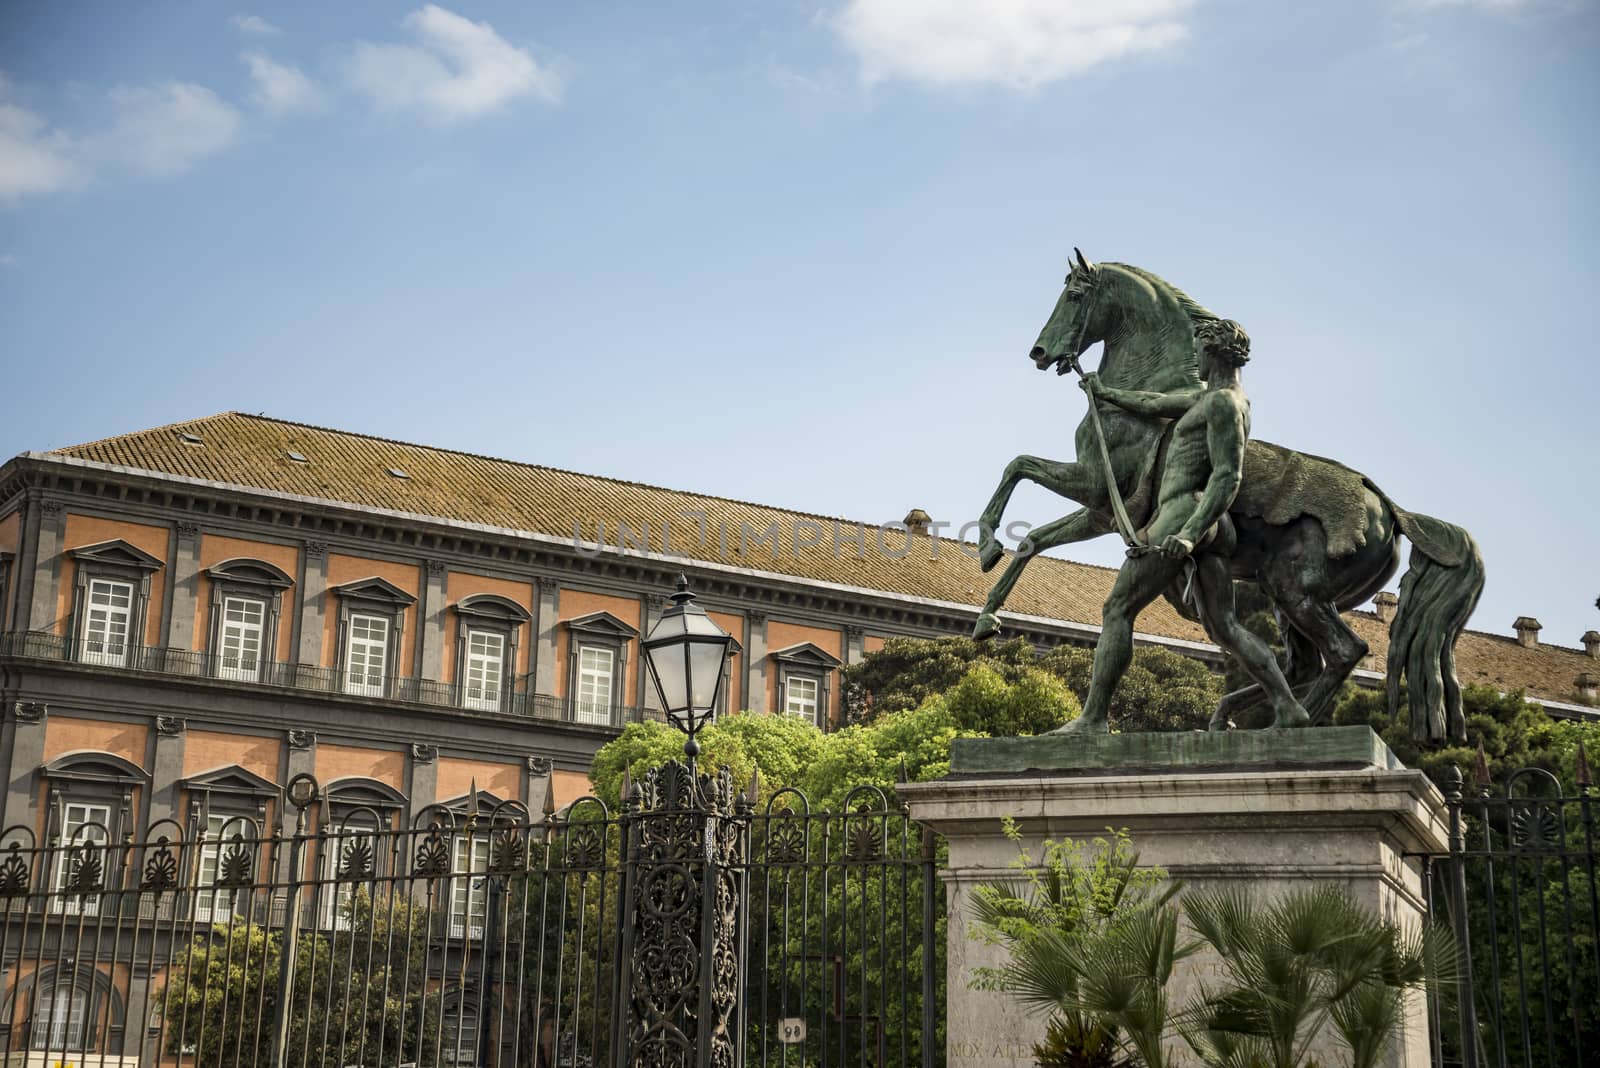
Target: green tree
[1161,690]
[359,993]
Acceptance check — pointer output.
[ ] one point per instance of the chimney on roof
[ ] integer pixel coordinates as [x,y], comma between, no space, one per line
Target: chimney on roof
[1591,643]
[918,521]
[1384,605]
[1588,686]
[1527,629]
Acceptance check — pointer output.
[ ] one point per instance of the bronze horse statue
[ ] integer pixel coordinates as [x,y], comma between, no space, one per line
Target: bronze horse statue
[1318,537]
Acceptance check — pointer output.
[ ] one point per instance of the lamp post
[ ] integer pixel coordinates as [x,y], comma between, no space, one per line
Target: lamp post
[686,651]
[682,948]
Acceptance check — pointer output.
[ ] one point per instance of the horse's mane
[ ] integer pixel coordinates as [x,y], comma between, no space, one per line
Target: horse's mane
[1197,312]
[1144,364]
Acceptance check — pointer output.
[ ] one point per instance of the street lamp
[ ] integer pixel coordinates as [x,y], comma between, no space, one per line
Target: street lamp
[686,651]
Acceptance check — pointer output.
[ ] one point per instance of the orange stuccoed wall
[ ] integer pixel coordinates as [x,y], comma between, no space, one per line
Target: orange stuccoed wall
[456,777]
[91,530]
[734,625]
[781,636]
[208,750]
[343,569]
[214,549]
[460,585]
[65,734]
[335,762]
[578,603]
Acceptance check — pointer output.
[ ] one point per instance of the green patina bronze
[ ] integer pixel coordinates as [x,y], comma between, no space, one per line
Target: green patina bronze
[1173,752]
[1165,460]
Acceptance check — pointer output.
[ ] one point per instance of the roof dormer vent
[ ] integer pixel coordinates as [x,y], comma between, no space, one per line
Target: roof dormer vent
[190,439]
[1527,629]
[395,472]
[297,457]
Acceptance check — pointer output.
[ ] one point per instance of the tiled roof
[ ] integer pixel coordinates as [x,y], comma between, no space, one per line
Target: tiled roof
[253,451]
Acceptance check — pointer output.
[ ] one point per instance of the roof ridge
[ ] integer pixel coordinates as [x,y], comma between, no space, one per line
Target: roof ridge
[145,430]
[541,467]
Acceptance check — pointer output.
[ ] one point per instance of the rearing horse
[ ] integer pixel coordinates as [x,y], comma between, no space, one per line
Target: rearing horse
[1317,537]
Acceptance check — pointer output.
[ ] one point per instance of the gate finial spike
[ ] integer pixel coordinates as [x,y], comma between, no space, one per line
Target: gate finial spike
[903,776]
[1480,768]
[550,794]
[754,791]
[1584,778]
[627,785]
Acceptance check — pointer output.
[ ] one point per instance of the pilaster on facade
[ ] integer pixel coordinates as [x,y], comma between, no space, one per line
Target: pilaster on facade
[755,687]
[431,614]
[25,725]
[854,644]
[536,783]
[313,604]
[547,623]
[47,529]
[166,767]
[185,591]
[422,784]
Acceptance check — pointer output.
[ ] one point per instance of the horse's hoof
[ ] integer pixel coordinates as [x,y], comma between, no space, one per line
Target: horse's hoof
[1292,716]
[1084,726]
[990,553]
[986,627]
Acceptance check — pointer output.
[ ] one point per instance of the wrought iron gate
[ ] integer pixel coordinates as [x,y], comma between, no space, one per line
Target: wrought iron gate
[479,936]
[1518,889]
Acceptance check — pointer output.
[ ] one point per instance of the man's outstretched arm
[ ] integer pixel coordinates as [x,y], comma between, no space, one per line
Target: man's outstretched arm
[1163,405]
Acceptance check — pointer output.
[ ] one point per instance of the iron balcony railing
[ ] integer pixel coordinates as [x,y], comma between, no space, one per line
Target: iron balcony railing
[512,700]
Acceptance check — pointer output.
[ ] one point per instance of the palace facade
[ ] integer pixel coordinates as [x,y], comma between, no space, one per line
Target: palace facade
[193,614]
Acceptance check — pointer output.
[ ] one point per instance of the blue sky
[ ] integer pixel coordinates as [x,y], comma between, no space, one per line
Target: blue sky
[796,251]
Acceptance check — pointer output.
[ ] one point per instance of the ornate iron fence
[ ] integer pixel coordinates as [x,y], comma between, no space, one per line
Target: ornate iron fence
[1518,889]
[483,936]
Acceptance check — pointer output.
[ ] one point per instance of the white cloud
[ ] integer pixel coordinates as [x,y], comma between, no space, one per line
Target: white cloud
[34,159]
[254,25]
[279,88]
[164,129]
[459,69]
[1019,44]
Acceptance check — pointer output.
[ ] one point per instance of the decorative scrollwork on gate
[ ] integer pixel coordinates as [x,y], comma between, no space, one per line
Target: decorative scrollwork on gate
[585,849]
[160,868]
[864,841]
[786,838]
[508,851]
[1535,827]
[86,869]
[433,855]
[356,860]
[14,872]
[236,869]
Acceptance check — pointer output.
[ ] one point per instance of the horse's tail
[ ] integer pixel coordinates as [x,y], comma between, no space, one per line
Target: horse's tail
[1437,595]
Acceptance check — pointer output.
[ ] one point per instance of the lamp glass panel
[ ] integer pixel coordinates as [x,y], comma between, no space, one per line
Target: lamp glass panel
[705,665]
[667,663]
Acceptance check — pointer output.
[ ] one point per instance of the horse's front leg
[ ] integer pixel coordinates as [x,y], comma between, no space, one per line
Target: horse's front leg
[1070,479]
[1079,526]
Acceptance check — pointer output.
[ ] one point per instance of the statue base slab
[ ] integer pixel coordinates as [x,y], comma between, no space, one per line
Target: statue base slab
[1271,810]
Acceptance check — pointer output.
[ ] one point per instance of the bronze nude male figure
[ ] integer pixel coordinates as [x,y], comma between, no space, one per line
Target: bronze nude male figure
[1190,530]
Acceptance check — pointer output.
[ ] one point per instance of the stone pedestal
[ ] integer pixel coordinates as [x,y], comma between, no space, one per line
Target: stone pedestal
[1270,810]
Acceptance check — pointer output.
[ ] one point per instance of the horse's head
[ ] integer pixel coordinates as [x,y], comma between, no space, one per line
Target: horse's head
[1146,323]
[1073,325]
